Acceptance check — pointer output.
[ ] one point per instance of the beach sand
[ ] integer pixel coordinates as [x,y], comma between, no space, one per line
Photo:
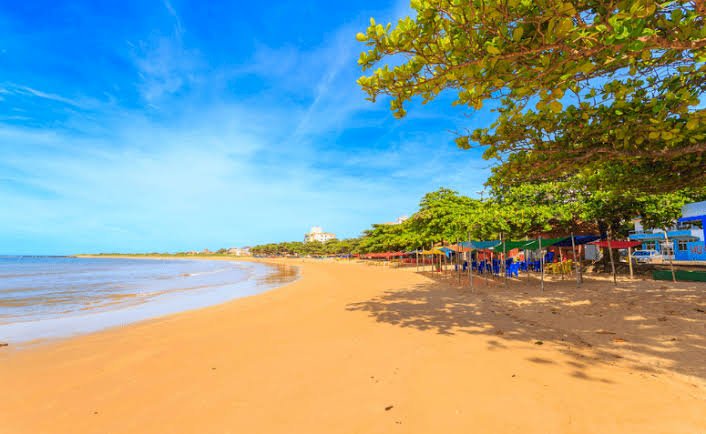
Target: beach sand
[352,348]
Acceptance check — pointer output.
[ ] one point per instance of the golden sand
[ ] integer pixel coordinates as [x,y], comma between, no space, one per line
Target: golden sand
[357,349]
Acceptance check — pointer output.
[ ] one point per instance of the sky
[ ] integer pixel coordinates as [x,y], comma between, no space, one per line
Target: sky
[172,125]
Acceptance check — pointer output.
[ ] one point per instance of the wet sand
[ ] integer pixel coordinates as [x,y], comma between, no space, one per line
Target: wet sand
[352,348]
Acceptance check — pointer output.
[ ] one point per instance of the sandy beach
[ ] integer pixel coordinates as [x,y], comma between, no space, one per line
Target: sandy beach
[352,348]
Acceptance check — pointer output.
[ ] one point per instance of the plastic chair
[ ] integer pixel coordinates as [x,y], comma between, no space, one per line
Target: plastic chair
[515,269]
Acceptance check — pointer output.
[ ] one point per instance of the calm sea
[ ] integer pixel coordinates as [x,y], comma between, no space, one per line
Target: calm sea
[51,297]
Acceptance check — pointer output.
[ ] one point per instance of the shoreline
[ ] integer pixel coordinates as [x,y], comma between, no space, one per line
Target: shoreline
[172,302]
[353,348]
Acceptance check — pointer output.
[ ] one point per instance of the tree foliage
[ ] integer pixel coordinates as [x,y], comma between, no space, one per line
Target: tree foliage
[515,212]
[585,87]
[314,248]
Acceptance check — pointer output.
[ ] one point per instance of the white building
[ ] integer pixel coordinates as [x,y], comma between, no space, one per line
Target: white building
[398,221]
[401,219]
[318,234]
[239,251]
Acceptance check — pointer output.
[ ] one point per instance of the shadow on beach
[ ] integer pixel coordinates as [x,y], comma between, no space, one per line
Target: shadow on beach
[647,326]
[282,274]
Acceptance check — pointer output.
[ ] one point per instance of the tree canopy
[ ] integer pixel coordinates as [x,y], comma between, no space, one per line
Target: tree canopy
[515,212]
[610,90]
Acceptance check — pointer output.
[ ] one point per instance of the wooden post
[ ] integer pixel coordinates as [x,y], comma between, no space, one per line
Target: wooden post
[632,276]
[416,255]
[470,262]
[612,262]
[582,253]
[671,260]
[431,258]
[576,260]
[458,261]
[503,267]
[440,263]
[486,269]
[541,261]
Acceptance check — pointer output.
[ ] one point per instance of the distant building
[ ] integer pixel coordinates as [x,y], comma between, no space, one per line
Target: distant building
[239,251]
[398,220]
[401,219]
[318,234]
[686,236]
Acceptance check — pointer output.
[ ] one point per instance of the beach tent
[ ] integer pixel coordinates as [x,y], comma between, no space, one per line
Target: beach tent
[549,242]
[573,241]
[578,240]
[617,244]
[511,245]
[385,255]
[534,244]
[458,248]
[480,245]
[447,251]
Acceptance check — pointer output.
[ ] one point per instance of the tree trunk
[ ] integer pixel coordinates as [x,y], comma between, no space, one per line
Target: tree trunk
[612,262]
[576,260]
[470,262]
[503,264]
[541,261]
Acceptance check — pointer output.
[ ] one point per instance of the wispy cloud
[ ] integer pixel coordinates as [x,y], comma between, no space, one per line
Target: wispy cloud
[164,68]
[178,29]
[21,90]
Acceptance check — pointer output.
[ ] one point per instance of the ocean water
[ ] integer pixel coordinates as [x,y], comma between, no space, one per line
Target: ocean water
[54,297]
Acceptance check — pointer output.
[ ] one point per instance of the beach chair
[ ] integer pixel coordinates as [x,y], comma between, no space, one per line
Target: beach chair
[513,270]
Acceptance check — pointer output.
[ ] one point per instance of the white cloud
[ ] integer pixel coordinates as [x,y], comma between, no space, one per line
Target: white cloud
[26,91]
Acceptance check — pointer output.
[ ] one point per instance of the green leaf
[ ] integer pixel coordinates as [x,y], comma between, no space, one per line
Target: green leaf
[517,33]
[556,106]
[492,49]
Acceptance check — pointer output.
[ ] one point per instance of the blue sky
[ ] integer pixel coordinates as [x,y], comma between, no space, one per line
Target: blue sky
[166,125]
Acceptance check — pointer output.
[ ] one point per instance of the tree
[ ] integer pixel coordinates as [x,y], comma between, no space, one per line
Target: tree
[443,216]
[533,208]
[582,85]
[388,237]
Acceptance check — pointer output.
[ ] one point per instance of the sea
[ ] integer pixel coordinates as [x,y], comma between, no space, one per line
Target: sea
[44,297]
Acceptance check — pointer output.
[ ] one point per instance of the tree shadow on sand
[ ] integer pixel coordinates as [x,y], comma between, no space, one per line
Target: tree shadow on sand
[645,325]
